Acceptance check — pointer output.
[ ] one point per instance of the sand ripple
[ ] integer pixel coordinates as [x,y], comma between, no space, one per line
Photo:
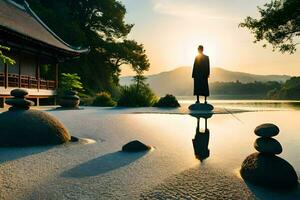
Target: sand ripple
[200,183]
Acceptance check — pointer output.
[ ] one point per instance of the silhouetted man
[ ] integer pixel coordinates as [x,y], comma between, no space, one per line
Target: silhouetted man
[201,72]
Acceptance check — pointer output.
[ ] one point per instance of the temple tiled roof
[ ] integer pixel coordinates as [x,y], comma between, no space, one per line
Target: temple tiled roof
[22,20]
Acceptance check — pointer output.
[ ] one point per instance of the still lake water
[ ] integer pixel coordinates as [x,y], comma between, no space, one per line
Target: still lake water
[231,136]
[249,104]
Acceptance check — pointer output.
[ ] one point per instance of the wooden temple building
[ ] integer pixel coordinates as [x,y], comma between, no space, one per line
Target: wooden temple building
[33,45]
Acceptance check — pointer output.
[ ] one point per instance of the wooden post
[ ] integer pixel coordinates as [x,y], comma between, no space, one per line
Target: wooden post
[20,60]
[5,76]
[38,73]
[37,101]
[56,75]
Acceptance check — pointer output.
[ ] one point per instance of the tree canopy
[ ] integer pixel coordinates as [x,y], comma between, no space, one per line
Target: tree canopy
[289,90]
[3,58]
[100,25]
[279,25]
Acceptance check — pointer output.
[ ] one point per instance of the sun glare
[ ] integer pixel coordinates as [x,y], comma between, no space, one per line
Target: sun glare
[190,50]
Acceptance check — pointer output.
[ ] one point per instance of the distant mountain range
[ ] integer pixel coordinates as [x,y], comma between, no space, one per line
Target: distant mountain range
[179,81]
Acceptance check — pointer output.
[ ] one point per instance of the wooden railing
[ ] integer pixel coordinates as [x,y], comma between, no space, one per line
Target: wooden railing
[2,79]
[29,82]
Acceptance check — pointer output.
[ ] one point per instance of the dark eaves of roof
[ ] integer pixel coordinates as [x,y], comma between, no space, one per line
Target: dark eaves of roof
[24,6]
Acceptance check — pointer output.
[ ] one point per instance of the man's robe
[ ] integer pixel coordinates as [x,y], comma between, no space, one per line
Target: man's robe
[201,72]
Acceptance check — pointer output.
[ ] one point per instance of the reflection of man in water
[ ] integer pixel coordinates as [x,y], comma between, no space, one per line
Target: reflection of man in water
[201,141]
[201,72]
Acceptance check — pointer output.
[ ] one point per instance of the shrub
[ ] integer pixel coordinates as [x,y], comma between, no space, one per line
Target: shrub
[69,82]
[137,96]
[86,100]
[104,99]
[169,101]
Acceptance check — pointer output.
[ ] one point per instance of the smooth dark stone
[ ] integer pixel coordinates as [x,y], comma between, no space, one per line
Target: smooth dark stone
[69,103]
[268,146]
[31,128]
[269,171]
[135,146]
[74,139]
[267,130]
[13,108]
[201,107]
[19,93]
[205,115]
[18,102]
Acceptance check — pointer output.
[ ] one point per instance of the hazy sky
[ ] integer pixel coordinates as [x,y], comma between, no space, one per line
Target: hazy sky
[171,30]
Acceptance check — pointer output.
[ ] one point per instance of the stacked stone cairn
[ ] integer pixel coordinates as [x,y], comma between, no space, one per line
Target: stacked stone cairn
[70,100]
[265,168]
[19,102]
[20,126]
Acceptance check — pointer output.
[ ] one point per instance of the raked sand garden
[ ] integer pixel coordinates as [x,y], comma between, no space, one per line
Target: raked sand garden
[96,168]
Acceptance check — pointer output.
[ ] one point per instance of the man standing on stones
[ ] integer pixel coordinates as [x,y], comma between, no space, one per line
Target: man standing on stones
[201,72]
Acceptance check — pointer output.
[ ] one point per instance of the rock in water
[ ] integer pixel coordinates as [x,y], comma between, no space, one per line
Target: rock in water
[268,146]
[23,127]
[269,171]
[199,114]
[135,146]
[267,130]
[201,107]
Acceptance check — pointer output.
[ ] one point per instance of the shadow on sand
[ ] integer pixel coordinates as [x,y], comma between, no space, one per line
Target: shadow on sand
[64,109]
[9,154]
[103,164]
[265,193]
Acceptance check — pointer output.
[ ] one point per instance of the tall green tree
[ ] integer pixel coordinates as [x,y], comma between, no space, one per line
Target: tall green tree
[100,25]
[279,25]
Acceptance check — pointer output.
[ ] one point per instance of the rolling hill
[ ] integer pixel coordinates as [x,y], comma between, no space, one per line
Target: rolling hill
[179,81]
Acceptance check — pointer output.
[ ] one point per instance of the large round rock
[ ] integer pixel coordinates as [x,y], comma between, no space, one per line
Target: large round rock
[201,107]
[199,114]
[269,171]
[135,146]
[31,128]
[267,130]
[268,146]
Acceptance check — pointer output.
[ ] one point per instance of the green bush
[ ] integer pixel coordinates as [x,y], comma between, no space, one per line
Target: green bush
[69,82]
[104,99]
[169,101]
[86,100]
[137,96]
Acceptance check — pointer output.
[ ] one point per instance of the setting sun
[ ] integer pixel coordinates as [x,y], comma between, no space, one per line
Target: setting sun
[190,50]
